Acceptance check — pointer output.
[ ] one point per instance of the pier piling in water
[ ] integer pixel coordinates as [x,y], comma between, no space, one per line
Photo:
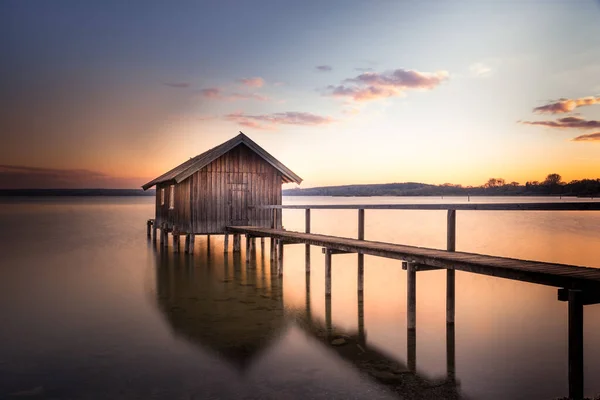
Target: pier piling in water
[411,293]
[450,273]
[226,243]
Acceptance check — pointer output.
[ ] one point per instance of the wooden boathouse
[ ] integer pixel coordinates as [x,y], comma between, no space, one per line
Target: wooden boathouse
[219,188]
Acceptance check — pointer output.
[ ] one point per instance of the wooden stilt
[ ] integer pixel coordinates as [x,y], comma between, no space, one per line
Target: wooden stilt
[308,307]
[248,249]
[361,319]
[328,273]
[575,344]
[154,229]
[187,243]
[236,243]
[450,353]
[280,257]
[450,273]
[328,319]
[226,244]
[175,242]
[411,349]
[149,228]
[411,301]
[272,249]
[262,246]
[192,243]
[307,247]
[361,273]
[163,233]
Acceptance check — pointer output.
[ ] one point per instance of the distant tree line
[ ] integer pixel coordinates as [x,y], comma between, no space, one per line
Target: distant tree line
[551,186]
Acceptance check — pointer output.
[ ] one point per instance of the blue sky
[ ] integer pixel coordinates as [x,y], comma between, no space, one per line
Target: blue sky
[430,91]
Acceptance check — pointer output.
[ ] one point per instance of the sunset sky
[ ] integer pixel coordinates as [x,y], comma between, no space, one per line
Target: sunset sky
[114,93]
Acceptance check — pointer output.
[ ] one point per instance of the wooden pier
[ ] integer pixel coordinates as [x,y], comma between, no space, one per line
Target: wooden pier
[579,286]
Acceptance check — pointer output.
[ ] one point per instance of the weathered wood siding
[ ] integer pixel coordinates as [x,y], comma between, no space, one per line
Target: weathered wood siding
[223,194]
[179,217]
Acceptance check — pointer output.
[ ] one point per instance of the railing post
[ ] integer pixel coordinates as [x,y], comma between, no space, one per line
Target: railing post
[450,273]
[307,247]
[328,273]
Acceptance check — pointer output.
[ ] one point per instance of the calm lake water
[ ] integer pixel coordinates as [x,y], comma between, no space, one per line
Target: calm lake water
[91,309]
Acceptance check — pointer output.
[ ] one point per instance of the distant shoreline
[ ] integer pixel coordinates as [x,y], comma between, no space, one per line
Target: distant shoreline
[74,192]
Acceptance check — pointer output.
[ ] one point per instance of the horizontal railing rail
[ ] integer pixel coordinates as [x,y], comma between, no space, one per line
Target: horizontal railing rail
[566,206]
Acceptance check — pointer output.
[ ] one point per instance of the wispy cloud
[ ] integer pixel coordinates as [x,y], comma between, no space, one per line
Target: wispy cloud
[590,137]
[23,177]
[480,70]
[218,94]
[254,82]
[364,69]
[178,85]
[324,68]
[562,106]
[270,121]
[372,85]
[566,123]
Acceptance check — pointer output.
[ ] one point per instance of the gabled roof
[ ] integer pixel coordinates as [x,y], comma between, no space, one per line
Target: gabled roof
[195,164]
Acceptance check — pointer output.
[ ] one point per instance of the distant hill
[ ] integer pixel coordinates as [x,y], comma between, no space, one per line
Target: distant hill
[383,189]
[582,188]
[73,192]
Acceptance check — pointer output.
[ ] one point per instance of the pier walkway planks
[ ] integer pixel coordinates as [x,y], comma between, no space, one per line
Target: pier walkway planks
[558,275]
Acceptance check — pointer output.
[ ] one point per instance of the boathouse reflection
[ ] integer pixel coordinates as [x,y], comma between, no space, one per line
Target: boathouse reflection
[236,309]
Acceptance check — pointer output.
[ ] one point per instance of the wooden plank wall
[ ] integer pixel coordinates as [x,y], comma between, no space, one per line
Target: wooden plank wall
[180,216]
[204,201]
[238,170]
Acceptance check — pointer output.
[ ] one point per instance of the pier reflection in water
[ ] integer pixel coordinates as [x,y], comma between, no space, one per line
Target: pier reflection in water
[224,305]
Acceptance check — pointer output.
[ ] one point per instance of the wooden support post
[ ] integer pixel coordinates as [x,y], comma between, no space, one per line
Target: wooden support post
[411,349]
[192,243]
[307,247]
[361,273]
[148,228]
[262,247]
[187,243]
[280,257]
[272,250]
[328,319]
[154,229]
[226,244]
[248,251]
[307,297]
[361,319]
[328,273]
[208,242]
[450,353]
[175,242]
[450,273]
[163,233]
[236,243]
[361,257]
[411,301]
[253,244]
[575,344]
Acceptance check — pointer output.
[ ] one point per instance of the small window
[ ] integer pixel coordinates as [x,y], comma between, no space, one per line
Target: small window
[172,197]
[162,197]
